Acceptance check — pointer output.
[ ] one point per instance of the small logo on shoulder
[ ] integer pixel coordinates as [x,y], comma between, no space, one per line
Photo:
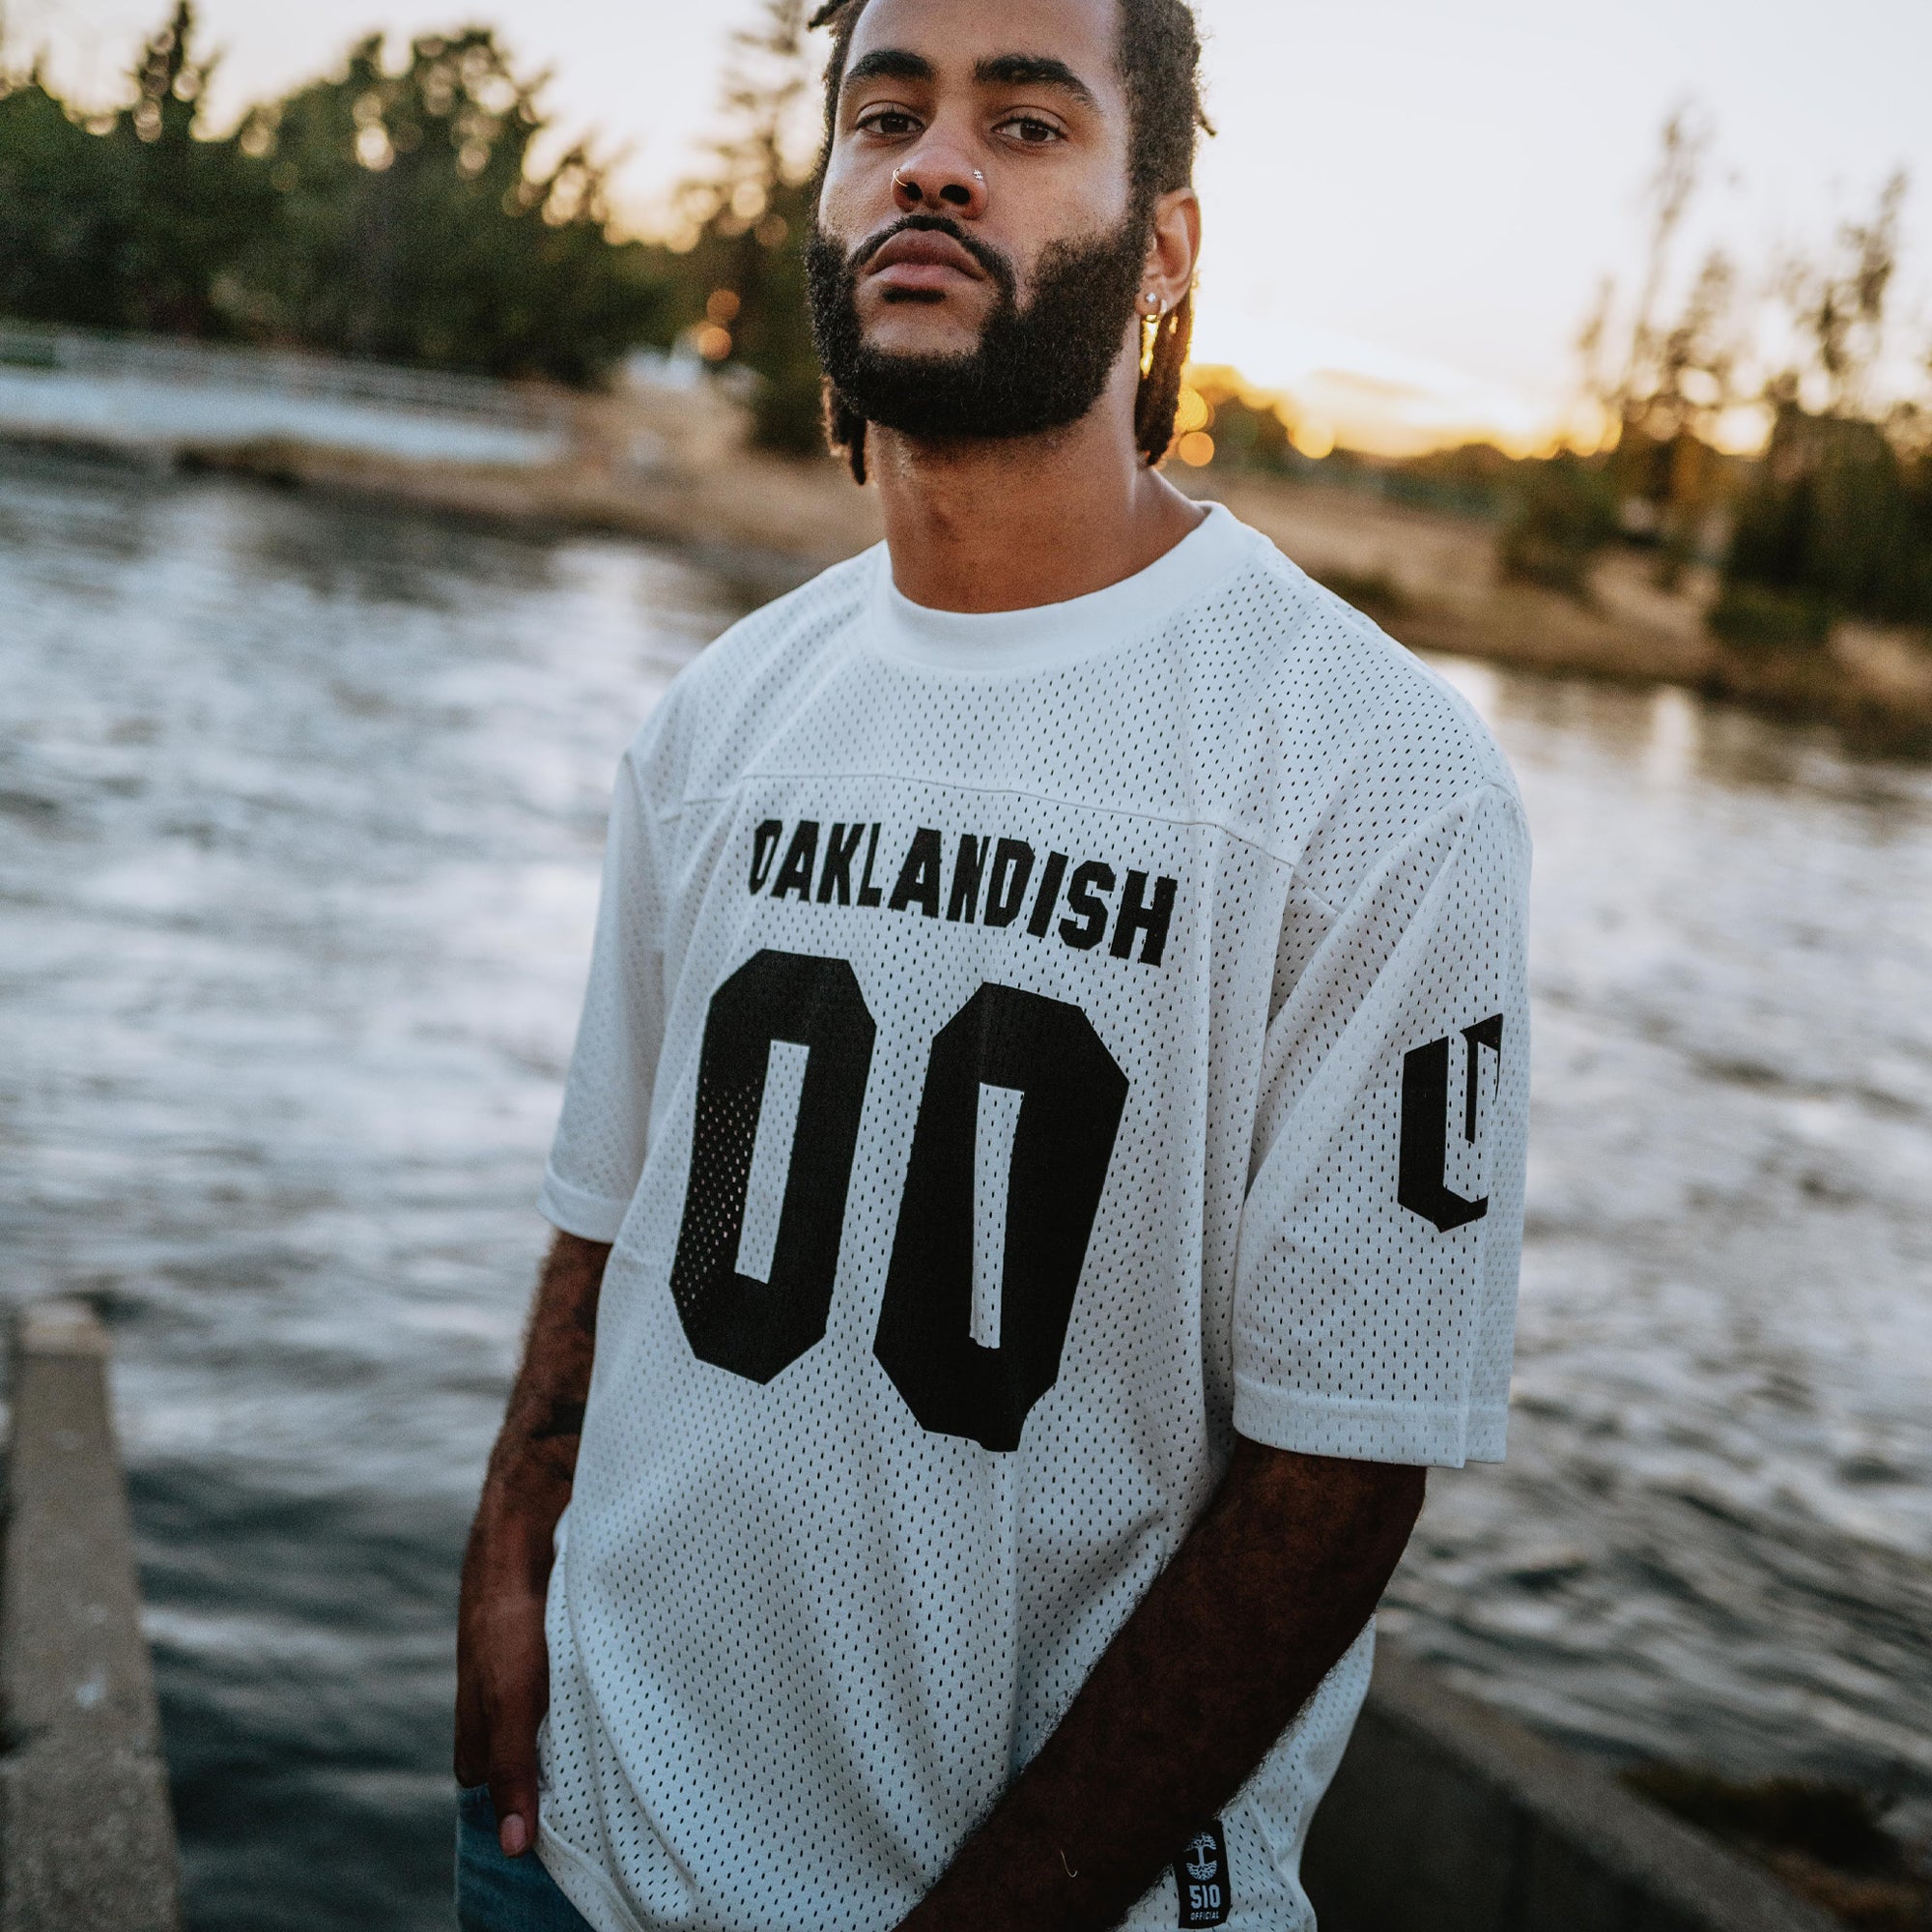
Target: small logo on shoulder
[1201,1878]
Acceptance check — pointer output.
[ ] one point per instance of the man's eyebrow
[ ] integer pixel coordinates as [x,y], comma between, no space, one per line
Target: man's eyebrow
[887,64]
[1032,71]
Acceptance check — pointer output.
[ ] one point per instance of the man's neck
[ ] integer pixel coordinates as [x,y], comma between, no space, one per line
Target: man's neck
[1004,525]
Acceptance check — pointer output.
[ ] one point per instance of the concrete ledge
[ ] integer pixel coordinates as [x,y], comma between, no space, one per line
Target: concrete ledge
[86,1835]
[1447,1815]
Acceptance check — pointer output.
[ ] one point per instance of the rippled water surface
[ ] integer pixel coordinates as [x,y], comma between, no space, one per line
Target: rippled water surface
[300,807]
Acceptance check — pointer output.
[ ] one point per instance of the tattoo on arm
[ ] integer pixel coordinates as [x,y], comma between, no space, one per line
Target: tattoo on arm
[535,1458]
[563,1418]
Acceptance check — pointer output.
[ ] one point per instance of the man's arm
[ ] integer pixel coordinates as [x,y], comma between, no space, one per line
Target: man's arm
[1267,1591]
[502,1668]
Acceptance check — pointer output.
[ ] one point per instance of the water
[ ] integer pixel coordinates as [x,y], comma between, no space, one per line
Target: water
[300,807]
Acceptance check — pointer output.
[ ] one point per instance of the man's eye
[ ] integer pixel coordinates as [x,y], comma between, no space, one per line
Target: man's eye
[1030,132]
[891,121]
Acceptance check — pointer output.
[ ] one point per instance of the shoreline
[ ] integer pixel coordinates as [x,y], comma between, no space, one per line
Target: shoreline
[1427,576]
[1430,580]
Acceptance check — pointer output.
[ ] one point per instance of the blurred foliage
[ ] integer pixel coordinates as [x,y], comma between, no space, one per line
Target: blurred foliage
[1251,437]
[1836,518]
[1473,479]
[739,273]
[1564,519]
[1749,615]
[395,215]
[124,220]
[1836,521]
[1221,419]
[410,225]
[403,215]
[1375,591]
[1666,383]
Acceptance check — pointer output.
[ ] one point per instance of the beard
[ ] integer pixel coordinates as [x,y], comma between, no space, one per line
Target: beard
[1034,369]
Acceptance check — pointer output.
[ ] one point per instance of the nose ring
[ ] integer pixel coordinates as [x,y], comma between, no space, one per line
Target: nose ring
[902,180]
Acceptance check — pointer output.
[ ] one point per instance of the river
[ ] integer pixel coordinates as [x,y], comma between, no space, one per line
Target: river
[301,810]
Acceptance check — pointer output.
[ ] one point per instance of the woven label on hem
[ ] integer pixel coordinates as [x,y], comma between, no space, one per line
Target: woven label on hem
[1201,1878]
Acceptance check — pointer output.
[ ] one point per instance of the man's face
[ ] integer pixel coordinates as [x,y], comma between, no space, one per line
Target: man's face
[977,254]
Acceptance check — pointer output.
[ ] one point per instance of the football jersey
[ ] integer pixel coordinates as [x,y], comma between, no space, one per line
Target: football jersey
[1021,1052]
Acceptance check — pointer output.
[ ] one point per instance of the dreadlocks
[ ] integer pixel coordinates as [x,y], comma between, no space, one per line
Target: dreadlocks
[1160,66]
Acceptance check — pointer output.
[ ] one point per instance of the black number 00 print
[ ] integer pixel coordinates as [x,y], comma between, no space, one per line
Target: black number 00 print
[1073,1095]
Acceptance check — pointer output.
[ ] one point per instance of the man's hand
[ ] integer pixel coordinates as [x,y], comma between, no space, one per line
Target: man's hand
[502,1666]
[1270,1587]
[502,1689]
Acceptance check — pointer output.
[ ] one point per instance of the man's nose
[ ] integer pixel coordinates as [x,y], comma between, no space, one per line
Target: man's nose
[939,180]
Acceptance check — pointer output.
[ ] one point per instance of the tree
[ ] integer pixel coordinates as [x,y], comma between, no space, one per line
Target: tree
[1839,303]
[1837,521]
[1564,517]
[369,213]
[123,221]
[744,276]
[409,224]
[1683,150]
[1671,382]
[64,207]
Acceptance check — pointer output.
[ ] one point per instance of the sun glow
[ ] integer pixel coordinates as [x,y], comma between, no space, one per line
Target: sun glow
[1332,389]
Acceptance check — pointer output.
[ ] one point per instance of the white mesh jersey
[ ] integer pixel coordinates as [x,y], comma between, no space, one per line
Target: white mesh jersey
[1020,1052]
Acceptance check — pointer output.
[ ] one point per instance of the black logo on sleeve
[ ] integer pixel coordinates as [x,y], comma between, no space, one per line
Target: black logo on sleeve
[1421,1185]
[978,881]
[1201,1878]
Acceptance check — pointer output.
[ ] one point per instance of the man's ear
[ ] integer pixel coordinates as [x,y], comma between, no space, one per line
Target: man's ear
[1174,247]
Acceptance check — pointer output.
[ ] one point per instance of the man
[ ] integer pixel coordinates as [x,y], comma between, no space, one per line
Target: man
[1040,1174]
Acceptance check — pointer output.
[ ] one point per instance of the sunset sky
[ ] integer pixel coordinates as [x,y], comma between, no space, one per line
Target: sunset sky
[1409,204]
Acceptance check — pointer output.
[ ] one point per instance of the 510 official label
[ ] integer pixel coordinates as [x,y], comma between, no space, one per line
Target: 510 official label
[1201,1878]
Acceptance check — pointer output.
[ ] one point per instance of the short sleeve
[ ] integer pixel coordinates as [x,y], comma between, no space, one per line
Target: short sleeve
[598,1152]
[1375,1297]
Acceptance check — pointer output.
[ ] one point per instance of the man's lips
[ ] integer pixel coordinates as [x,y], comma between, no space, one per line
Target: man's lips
[922,259]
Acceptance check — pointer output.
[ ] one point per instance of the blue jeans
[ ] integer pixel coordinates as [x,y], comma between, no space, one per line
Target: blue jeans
[498,1894]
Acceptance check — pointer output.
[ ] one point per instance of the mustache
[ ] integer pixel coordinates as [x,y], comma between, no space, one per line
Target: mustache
[995,264]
